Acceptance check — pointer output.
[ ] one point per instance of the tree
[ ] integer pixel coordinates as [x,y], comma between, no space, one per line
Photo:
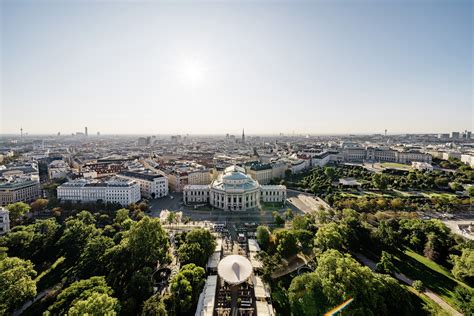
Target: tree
[470,191]
[279,221]
[121,216]
[196,276]
[17,210]
[385,265]
[397,203]
[330,172]
[286,243]
[79,291]
[143,207]
[337,278]
[463,266]
[29,241]
[141,284]
[418,285]
[182,293]
[148,242]
[330,236]
[430,251]
[289,214]
[77,233]
[380,181]
[301,222]
[199,245]
[154,306]
[455,186]
[263,236]
[306,296]
[16,283]
[39,205]
[95,304]
[91,261]
[465,298]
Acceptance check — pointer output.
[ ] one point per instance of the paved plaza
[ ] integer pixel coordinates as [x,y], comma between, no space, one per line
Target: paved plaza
[174,202]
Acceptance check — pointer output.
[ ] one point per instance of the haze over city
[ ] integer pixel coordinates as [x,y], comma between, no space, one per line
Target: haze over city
[316,67]
[250,158]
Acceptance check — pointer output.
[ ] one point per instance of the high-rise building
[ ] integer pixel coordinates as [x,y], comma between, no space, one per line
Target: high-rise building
[85,130]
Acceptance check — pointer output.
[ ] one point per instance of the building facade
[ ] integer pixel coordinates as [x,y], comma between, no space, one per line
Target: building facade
[18,190]
[151,184]
[4,221]
[234,190]
[116,190]
[199,177]
[263,173]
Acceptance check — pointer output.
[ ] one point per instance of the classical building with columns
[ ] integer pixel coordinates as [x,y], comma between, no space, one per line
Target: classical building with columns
[234,190]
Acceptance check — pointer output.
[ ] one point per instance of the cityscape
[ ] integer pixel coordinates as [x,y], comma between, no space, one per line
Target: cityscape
[234,180]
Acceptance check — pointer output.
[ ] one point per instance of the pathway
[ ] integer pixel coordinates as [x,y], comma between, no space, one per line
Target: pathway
[401,277]
[294,263]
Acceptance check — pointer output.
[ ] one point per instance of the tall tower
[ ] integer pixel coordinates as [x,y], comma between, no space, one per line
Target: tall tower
[21,132]
[85,130]
[243,136]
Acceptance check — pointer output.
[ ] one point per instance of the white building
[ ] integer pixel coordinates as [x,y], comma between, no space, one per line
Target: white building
[151,184]
[4,221]
[116,190]
[234,190]
[419,165]
[468,159]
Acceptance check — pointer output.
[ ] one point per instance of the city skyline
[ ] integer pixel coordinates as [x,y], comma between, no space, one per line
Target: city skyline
[308,68]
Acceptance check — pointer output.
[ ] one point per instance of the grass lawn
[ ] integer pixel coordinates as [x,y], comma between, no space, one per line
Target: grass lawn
[434,276]
[423,305]
[439,195]
[266,206]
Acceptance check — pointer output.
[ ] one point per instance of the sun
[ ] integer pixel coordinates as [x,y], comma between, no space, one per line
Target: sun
[193,71]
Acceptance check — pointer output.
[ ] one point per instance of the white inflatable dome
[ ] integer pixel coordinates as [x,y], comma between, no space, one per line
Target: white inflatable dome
[234,269]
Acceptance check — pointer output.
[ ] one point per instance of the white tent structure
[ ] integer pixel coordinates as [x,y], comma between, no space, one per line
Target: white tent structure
[234,269]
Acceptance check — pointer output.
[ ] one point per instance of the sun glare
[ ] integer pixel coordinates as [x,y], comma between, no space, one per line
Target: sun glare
[193,71]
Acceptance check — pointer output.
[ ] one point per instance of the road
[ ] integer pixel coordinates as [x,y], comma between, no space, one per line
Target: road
[371,264]
[214,215]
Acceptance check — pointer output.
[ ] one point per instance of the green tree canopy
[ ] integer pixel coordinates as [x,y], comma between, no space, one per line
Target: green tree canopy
[79,291]
[77,233]
[154,306]
[198,246]
[148,242]
[337,278]
[287,243]
[17,210]
[16,283]
[331,236]
[463,268]
[263,236]
[28,241]
[95,304]
[92,258]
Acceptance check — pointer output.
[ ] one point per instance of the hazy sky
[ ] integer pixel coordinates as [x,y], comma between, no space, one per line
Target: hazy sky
[182,67]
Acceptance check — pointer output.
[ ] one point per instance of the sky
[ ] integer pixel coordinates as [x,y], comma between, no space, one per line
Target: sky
[176,67]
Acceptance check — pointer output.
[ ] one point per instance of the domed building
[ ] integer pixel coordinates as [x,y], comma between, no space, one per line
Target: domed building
[234,190]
